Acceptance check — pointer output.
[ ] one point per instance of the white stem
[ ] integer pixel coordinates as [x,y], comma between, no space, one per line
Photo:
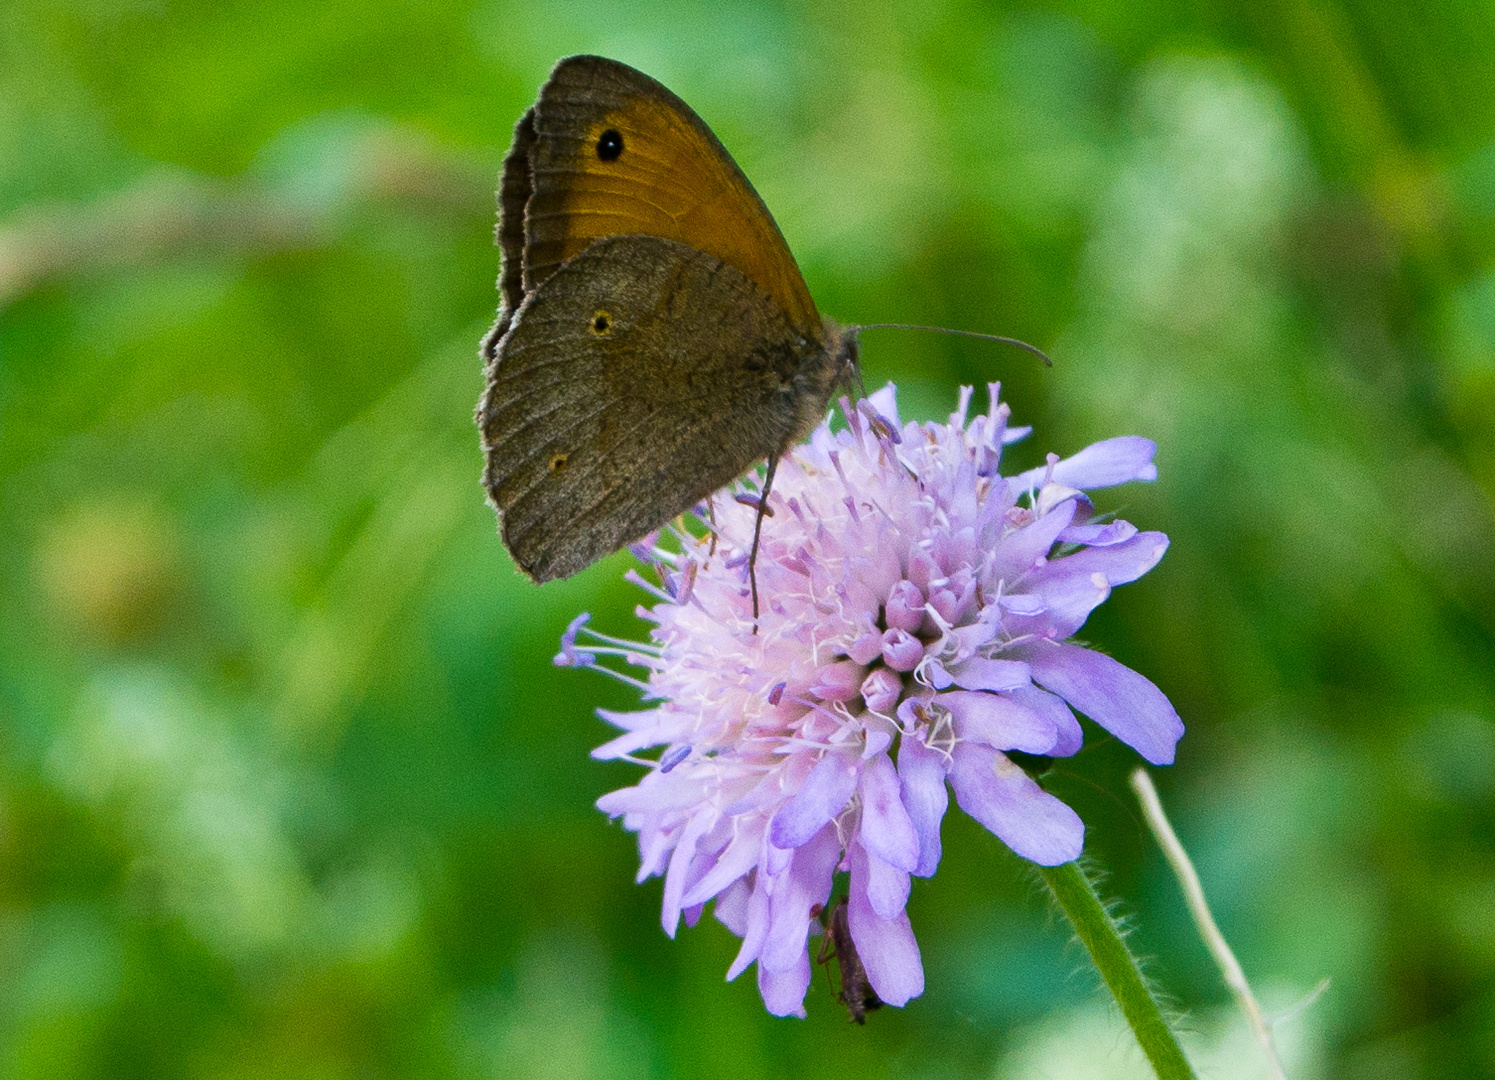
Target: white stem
[1188,880]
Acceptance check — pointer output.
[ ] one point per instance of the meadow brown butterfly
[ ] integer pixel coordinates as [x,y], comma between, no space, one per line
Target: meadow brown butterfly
[655,336]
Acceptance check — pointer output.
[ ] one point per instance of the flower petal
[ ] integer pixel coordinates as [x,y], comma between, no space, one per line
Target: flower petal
[627,743]
[887,888]
[934,673]
[904,609]
[1022,604]
[1069,598]
[1074,586]
[634,721]
[901,651]
[886,947]
[1103,464]
[838,681]
[1021,550]
[1071,738]
[887,830]
[653,793]
[1102,535]
[885,401]
[921,778]
[731,907]
[865,648]
[999,722]
[878,739]
[805,885]
[881,689]
[1007,801]
[824,795]
[979,673]
[1110,693]
[737,859]
[758,913]
[680,863]
[784,991]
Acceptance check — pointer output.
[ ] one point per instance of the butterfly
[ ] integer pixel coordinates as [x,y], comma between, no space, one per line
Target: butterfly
[655,337]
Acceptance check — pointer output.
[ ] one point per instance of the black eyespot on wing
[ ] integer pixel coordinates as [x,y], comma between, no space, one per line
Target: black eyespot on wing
[610,145]
[602,322]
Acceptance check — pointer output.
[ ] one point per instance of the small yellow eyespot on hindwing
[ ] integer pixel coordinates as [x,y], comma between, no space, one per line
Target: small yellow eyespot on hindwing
[601,324]
[558,462]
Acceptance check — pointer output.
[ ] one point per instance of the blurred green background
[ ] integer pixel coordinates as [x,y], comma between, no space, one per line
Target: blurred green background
[288,786]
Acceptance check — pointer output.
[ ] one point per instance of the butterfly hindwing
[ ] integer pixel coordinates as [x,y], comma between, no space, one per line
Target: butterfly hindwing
[636,379]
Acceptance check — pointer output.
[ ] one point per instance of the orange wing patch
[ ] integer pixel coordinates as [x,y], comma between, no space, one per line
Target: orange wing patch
[616,153]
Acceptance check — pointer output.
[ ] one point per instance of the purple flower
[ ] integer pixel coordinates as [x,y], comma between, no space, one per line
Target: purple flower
[916,607]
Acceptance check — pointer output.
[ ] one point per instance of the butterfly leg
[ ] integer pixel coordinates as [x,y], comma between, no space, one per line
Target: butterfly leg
[773,464]
[827,951]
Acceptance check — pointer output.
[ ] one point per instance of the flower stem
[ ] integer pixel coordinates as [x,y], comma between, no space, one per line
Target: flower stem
[1076,897]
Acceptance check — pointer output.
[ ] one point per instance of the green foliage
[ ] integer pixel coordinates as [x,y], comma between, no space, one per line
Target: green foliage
[288,785]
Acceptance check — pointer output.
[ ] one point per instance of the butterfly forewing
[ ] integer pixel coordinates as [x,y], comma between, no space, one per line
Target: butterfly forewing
[617,153]
[514,192]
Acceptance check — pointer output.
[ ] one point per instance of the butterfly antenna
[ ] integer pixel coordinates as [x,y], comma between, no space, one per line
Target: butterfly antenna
[1015,342]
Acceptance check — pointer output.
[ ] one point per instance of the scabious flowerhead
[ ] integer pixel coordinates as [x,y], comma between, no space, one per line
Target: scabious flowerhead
[915,611]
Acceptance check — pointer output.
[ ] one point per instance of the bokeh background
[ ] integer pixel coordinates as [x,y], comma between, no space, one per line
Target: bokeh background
[288,784]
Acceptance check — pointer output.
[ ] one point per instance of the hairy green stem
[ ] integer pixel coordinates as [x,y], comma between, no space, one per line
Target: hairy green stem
[1077,898]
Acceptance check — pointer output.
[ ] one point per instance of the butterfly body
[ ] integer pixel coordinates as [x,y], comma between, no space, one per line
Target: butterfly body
[655,337]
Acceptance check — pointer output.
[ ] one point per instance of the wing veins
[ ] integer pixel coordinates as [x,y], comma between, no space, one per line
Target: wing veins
[538,417]
[580,474]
